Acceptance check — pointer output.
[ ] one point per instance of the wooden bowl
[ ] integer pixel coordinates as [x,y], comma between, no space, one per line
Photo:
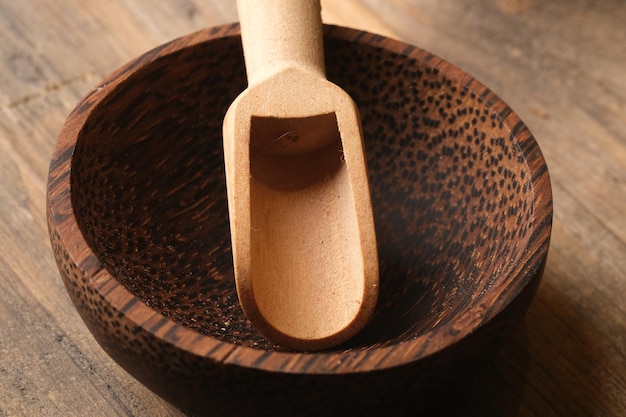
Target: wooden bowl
[139,226]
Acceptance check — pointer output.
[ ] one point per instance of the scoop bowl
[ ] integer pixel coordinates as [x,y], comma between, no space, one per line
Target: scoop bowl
[138,222]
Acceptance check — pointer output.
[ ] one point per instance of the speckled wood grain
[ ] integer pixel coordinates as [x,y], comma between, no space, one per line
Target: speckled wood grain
[139,226]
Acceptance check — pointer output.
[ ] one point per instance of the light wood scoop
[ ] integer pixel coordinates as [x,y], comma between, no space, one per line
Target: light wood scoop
[302,229]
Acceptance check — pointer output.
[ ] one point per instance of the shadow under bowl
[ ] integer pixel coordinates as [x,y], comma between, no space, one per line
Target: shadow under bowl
[138,221]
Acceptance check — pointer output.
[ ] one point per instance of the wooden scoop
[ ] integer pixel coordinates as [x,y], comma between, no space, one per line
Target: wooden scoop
[302,229]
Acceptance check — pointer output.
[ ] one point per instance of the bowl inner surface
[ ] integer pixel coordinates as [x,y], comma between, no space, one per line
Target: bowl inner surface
[451,190]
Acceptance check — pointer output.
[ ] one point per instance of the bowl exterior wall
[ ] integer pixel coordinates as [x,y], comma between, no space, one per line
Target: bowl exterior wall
[200,386]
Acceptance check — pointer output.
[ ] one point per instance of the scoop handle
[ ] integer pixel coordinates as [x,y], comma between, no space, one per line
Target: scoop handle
[280,34]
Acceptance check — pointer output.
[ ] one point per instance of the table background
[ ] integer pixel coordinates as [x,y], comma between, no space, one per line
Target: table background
[560,64]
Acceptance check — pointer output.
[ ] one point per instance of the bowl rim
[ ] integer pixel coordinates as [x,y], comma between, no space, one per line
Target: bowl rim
[63,222]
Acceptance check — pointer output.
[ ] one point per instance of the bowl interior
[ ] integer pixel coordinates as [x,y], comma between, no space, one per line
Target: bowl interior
[451,190]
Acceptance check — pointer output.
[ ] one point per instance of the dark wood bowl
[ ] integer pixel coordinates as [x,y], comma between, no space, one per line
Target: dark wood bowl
[139,226]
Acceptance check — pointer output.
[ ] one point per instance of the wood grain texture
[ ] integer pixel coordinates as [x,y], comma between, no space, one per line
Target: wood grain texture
[558,64]
[136,199]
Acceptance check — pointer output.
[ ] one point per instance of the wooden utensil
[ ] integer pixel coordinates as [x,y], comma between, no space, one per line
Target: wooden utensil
[463,239]
[302,228]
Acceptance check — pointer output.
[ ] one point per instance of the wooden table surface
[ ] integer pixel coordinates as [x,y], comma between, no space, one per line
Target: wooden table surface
[560,64]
